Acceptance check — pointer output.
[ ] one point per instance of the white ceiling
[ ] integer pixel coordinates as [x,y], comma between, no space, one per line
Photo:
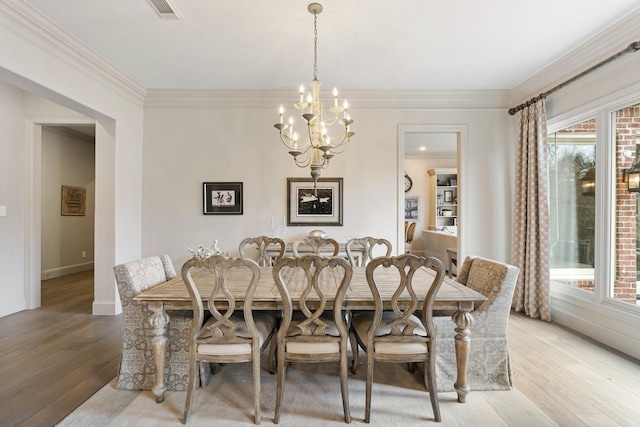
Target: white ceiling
[362,45]
[381,45]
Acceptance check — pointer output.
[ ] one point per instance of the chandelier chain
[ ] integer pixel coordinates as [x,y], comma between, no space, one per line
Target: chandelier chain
[315,46]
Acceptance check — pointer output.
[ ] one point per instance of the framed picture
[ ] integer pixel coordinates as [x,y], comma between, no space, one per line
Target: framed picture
[321,205]
[222,198]
[448,196]
[74,201]
[411,211]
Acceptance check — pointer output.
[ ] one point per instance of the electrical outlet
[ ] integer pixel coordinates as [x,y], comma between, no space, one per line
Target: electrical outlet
[84,254]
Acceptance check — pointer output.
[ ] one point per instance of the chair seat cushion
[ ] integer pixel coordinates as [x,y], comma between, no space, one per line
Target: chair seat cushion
[331,328]
[362,322]
[305,347]
[265,323]
[320,347]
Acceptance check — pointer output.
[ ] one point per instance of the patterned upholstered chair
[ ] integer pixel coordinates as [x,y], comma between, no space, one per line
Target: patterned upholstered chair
[488,367]
[137,369]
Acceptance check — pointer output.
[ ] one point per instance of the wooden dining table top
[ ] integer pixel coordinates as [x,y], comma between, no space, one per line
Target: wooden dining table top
[174,295]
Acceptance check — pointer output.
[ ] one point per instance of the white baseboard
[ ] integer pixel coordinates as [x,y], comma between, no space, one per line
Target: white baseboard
[106,308]
[52,273]
[608,325]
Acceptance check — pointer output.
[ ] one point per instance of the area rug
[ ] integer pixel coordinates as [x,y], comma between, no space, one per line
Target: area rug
[311,398]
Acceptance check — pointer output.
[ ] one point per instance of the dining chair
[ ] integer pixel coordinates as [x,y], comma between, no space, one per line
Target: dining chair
[369,244]
[489,366]
[399,335]
[410,231]
[262,243]
[137,369]
[318,244]
[230,335]
[316,331]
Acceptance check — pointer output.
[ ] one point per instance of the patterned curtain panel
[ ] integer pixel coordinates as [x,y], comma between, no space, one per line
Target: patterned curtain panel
[531,216]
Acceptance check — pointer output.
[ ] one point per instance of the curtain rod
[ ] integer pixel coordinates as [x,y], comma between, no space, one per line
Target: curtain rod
[631,48]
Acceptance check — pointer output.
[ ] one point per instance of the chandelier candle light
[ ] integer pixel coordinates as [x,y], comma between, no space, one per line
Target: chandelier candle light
[318,146]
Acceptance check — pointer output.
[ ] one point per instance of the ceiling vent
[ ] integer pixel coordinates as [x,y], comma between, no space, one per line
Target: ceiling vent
[165,9]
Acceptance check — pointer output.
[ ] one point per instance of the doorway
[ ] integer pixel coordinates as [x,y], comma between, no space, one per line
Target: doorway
[67,212]
[420,148]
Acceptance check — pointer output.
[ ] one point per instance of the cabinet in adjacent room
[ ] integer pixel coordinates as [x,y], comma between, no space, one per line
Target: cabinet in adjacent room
[443,199]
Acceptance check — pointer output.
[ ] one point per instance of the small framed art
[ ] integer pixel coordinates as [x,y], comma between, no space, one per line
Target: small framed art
[222,198]
[74,201]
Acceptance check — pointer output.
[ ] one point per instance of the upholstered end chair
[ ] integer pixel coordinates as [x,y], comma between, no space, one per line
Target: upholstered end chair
[489,367]
[137,369]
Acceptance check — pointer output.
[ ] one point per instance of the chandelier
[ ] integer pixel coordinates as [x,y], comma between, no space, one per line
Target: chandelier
[327,130]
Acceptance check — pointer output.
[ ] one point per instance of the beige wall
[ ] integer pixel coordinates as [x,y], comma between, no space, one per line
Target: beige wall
[185,146]
[12,195]
[67,159]
[612,87]
[58,69]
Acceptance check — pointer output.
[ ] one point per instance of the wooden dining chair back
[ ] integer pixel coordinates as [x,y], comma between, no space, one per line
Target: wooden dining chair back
[137,368]
[318,245]
[411,230]
[231,335]
[262,243]
[369,244]
[316,330]
[398,334]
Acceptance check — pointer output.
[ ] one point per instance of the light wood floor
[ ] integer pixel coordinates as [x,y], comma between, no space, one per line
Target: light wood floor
[57,356]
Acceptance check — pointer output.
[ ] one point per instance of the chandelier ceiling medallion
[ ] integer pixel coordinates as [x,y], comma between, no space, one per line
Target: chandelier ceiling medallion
[318,145]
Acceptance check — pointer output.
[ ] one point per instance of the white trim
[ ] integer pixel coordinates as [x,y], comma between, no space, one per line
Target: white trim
[581,58]
[29,24]
[615,328]
[52,273]
[32,210]
[595,314]
[572,274]
[358,99]
[106,308]
[462,166]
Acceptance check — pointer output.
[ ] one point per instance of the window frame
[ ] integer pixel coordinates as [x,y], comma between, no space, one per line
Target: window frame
[604,237]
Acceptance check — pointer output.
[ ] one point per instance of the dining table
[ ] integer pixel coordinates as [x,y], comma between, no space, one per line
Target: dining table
[453,299]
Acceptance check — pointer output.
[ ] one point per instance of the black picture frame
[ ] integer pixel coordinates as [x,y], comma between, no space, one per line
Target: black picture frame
[222,198]
[321,205]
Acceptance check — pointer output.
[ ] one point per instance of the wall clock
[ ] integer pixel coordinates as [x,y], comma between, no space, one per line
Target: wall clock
[407,183]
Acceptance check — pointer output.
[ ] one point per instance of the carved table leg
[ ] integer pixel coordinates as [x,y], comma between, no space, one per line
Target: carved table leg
[463,320]
[158,333]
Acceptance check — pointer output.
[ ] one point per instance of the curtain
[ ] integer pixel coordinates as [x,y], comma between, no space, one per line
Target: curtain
[531,214]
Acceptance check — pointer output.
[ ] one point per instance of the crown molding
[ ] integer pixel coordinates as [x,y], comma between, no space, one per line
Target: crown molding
[593,51]
[32,26]
[358,99]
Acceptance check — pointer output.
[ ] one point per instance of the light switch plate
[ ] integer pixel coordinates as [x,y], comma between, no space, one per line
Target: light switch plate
[3,211]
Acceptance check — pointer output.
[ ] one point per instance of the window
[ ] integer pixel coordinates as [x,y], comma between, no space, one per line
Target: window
[572,161]
[626,123]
